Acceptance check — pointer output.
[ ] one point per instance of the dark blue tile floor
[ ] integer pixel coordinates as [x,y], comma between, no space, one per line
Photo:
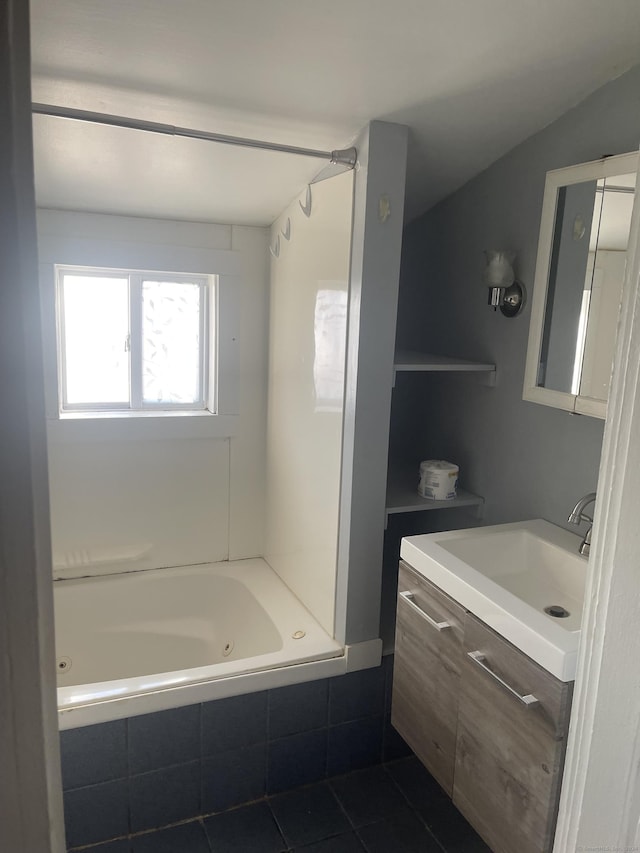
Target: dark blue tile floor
[391,808]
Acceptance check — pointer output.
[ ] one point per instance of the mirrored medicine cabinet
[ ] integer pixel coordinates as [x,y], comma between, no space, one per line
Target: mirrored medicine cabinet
[584,232]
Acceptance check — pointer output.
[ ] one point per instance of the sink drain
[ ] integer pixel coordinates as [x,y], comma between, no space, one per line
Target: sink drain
[557,610]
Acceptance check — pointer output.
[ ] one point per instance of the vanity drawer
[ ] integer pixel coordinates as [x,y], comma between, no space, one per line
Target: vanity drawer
[513,718]
[428,658]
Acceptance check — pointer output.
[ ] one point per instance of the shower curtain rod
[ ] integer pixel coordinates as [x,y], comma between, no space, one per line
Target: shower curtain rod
[345,157]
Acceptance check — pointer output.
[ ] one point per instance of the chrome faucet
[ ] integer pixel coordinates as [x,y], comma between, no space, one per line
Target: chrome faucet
[578,515]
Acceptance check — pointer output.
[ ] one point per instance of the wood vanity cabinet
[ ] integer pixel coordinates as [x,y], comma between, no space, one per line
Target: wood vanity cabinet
[428,659]
[487,721]
[510,745]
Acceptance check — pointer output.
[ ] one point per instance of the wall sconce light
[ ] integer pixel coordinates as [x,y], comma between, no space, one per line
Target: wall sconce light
[505,292]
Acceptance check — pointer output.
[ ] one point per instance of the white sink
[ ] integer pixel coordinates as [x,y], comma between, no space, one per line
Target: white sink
[507,575]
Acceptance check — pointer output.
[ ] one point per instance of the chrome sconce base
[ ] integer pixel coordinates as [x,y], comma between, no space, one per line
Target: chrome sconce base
[510,300]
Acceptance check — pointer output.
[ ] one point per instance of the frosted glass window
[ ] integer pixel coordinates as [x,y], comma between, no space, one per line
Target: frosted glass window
[133,340]
[96,333]
[171,342]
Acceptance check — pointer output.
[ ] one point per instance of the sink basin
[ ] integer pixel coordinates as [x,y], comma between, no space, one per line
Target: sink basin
[525,580]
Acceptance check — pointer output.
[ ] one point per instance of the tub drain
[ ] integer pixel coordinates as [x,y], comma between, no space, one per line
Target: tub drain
[228,649]
[557,610]
[63,664]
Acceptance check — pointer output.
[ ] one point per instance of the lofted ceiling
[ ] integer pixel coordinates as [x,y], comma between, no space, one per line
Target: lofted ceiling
[471,79]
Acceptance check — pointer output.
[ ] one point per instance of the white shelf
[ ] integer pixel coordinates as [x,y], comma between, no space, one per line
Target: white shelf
[402,496]
[422,362]
[405,360]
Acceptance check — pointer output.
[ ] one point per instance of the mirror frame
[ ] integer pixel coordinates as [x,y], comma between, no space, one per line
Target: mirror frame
[607,167]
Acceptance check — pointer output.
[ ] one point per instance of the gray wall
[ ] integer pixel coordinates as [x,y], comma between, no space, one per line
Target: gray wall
[527,460]
[373,294]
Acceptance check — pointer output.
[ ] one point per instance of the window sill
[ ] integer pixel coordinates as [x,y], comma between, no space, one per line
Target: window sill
[139,426]
[116,414]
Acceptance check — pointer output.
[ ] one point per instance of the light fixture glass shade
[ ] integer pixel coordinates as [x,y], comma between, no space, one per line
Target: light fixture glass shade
[499,269]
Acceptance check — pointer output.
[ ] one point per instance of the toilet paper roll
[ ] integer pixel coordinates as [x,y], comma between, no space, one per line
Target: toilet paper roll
[438,480]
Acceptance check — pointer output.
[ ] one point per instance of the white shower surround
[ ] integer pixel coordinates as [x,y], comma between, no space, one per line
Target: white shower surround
[348,607]
[162,491]
[309,296]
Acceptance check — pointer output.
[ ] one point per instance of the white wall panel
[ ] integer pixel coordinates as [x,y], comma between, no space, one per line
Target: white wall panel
[136,505]
[248,445]
[132,229]
[309,282]
[146,493]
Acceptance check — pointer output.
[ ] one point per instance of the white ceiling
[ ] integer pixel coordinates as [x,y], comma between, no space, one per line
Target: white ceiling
[470,78]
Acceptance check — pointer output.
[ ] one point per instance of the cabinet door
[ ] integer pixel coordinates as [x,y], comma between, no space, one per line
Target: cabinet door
[428,655]
[513,718]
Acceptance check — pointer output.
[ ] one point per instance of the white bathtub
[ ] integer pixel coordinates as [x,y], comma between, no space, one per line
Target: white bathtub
[139,642]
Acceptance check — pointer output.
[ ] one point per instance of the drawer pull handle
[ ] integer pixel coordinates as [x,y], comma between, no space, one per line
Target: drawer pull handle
[528,700]
[408,597]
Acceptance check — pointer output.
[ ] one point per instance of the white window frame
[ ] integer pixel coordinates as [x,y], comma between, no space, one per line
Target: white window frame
[206,402]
